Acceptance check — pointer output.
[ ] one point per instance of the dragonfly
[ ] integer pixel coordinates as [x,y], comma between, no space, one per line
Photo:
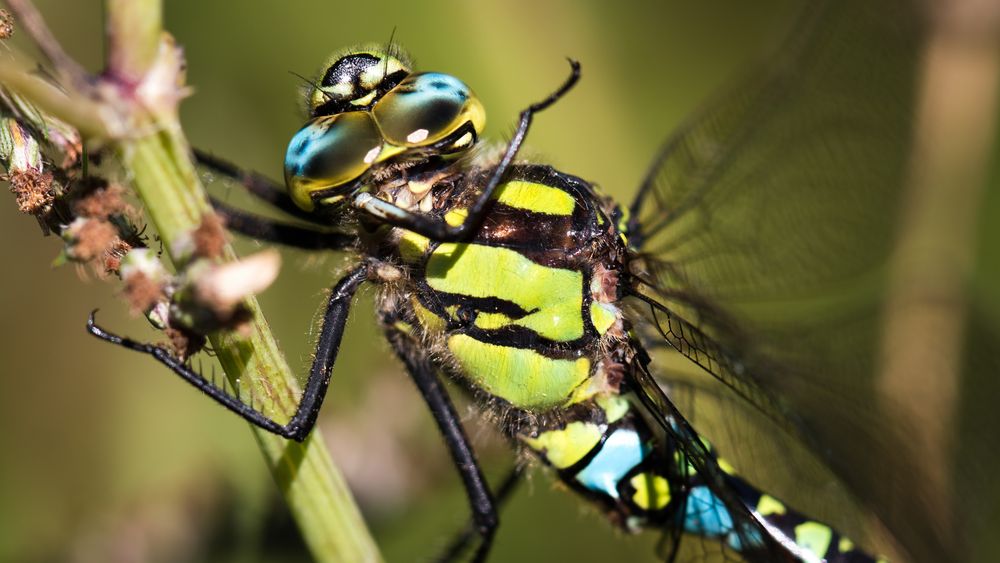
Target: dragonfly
[549,303]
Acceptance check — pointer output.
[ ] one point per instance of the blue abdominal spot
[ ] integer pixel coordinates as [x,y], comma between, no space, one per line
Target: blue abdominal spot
[706,514]
[621,451]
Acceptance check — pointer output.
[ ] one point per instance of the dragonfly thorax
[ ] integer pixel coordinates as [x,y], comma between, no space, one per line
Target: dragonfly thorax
[524,309]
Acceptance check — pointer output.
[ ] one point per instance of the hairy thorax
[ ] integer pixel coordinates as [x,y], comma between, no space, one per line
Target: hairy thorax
[524,312]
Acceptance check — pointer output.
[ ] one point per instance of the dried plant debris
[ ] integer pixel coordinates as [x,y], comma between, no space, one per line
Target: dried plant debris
[22,155]
[103,202]
[102,230]
[73,196]
[209,238]
[146,281]
[87,238]
[114,254]
[142,293]
[184,343]
[6,24]
[32,190]
[213,296]
[72,193]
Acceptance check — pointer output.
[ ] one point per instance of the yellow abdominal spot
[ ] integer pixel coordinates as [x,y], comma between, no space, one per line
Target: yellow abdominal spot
[614,406]
[768,505]
[814,536]
[652,492]
[562,448]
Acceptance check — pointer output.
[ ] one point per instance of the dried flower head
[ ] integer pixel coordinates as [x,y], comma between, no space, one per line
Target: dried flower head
[142,293]
[210,237]
[102,202]
[89,238]
[225,286]
[6,24]
[213,296]
[113,255]
[21,154]
[184,343]
[32,190]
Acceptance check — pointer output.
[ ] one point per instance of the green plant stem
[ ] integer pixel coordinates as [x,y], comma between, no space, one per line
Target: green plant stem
[313,487]
[156,158]
[133,31]
[167,182]
[16,73]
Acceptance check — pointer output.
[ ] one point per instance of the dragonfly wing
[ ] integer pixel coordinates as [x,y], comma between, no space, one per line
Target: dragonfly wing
[747,533]
[765,227]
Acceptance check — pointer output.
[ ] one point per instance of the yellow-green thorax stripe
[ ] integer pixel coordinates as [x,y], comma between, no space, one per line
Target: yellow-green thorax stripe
[552,296]
[539,198]
[523,377]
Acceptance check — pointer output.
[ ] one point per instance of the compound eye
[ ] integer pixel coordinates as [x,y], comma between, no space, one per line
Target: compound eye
[355,80]
[426,108]
[329,152]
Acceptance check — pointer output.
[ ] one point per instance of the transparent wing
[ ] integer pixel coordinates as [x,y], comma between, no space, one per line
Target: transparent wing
[761,453]
[756,544]
[778,199]
[765,226]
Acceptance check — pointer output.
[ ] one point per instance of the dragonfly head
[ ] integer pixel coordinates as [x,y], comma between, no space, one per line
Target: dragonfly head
[369,110]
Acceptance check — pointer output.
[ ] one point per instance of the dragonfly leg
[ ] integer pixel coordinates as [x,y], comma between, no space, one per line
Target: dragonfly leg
[260,186]
[458,544]
[263,228]
[302,422]
[437,229]
[481,502]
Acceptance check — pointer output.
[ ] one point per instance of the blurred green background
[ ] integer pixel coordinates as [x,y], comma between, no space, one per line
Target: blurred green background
[107,457]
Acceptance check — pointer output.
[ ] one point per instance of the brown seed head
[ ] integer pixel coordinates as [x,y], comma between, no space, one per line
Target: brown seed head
[6,24]
[113,255]
[102,203]
[92,238]
[142,293]
[183,343]
[32,190]
[210,237]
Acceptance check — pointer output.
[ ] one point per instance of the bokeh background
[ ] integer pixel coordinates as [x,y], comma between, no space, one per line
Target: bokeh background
[105,456]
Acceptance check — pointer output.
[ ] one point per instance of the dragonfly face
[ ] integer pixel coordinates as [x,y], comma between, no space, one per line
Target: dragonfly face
[370,112]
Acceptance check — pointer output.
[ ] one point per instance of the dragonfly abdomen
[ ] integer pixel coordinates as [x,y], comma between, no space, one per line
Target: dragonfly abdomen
[642,480]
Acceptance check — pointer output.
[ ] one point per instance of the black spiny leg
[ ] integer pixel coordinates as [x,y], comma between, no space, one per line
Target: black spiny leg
[258,185]
[458,544]
[424,374]
[435,228]
[265,229]
[319,376]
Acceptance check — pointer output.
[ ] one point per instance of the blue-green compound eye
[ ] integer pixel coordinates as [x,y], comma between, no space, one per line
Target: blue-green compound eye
[330,151]
[425,108]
